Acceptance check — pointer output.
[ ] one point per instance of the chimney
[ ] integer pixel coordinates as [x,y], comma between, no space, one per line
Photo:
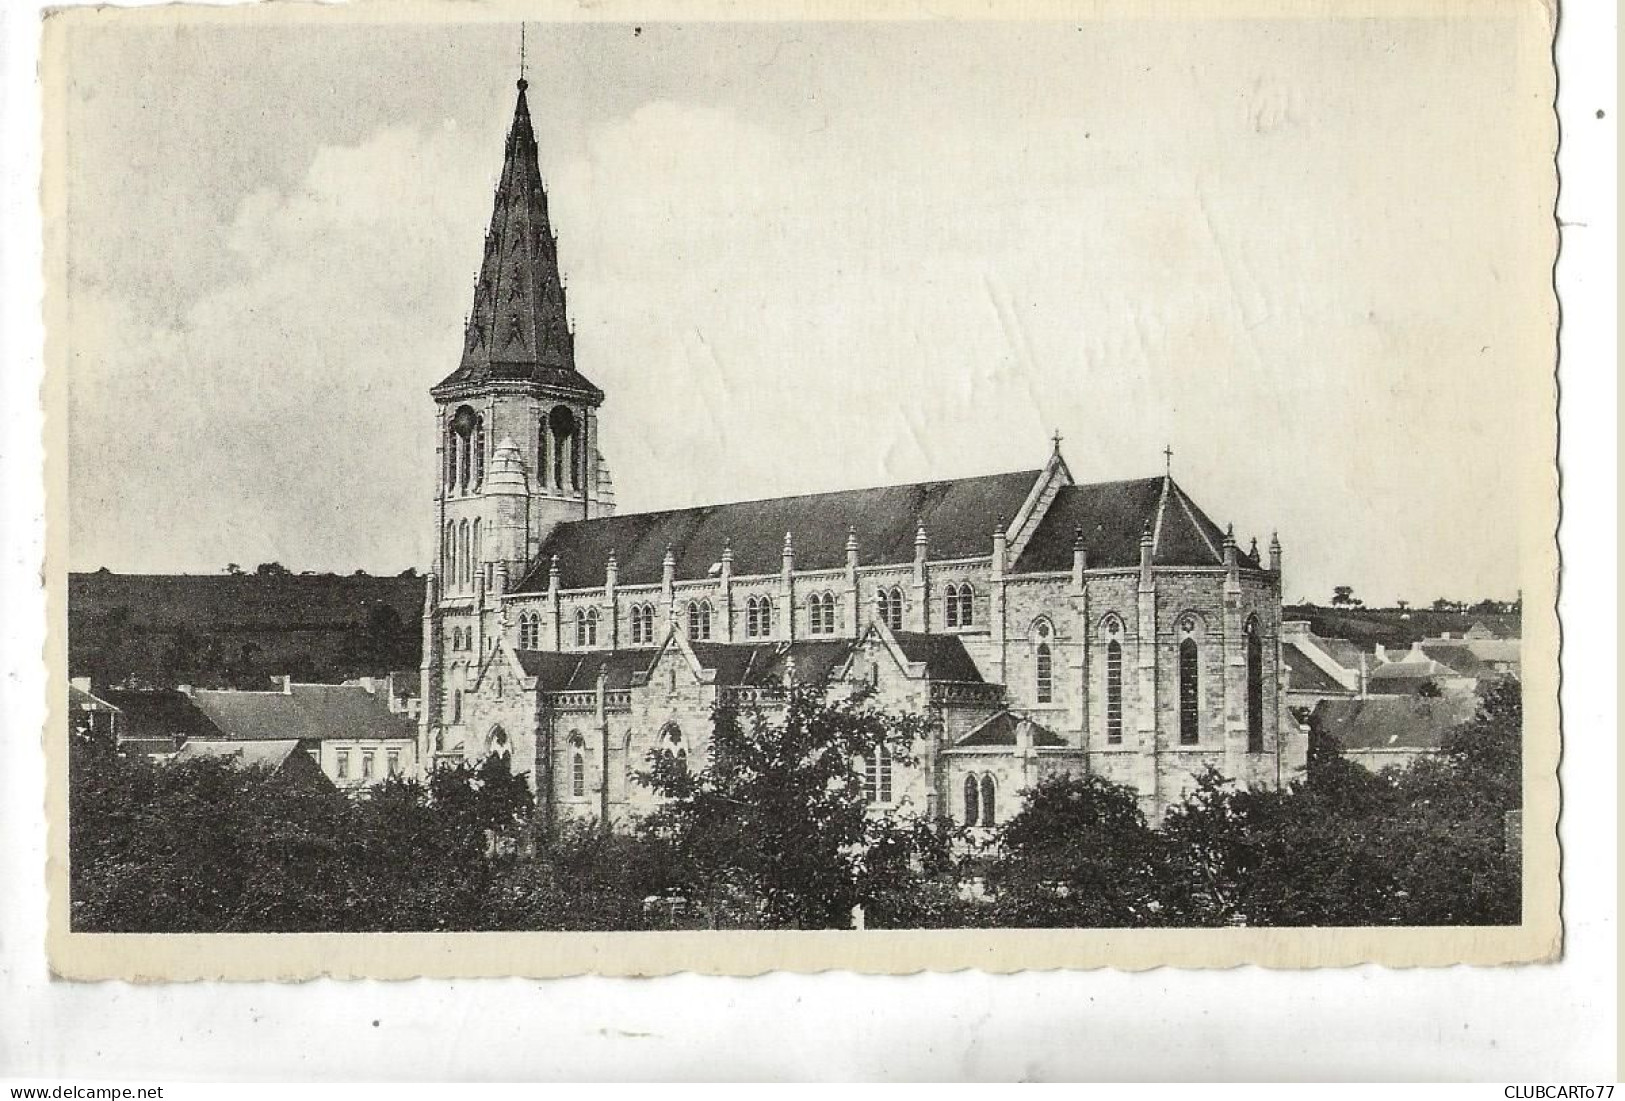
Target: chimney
[287,685]
[81,683]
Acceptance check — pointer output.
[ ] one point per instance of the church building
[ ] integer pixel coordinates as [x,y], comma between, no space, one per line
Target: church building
[1051,626]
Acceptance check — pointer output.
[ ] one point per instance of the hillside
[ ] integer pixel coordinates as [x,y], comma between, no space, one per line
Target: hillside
[235,631]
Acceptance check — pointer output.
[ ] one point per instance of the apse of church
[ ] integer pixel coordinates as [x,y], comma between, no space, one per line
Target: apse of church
[1052,626]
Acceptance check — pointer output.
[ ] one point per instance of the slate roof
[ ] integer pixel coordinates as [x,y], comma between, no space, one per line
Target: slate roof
[80,700]
[959,518]
[579,672]
[308,711]
[1392,722]
[159,715]
[945,656]
[1458,656]
[1000,730]
[518,328]
[1113,516]
[262,753]
[1303,675]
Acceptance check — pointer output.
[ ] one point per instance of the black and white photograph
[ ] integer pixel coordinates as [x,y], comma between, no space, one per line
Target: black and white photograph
[671,487]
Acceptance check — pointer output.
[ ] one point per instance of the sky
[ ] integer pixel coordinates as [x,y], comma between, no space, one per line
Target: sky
[1305,255]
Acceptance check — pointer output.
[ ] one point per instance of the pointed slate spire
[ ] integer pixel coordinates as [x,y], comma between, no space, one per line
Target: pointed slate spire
[518,328]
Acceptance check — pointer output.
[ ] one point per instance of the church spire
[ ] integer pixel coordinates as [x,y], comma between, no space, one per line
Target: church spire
[518,329]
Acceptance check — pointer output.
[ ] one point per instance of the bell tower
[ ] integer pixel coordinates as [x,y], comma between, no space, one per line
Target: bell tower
[516,426]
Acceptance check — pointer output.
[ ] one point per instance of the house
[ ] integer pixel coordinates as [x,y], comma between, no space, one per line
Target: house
[90,717]
[281,758]
[156,722]
[1379,731]
[1319,668]
[347,729]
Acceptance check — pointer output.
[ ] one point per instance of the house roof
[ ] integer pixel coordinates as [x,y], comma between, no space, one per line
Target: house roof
[959,517]
[80,700]
[1345,653]
[1001,730]
[518,328]
[160,714]
[1411,669]
[1458,657]
[305,711]
[1392,722]
[1112,516]
[1303,675]
[271,753]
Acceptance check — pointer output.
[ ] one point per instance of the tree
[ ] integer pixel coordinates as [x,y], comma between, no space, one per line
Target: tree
[1429,690]
[776,821]
[1402,605]
[1079,853]
[1343,596]
[272,569]
[410,571]
[233,569]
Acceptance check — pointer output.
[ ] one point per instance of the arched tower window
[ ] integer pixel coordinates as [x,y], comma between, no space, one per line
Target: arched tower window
[1189,692]
[566,436]
[989,815]
[474,556]
[1255,688]
[448,555]
[467,431]
[578,766]
[542,452]
[973,794]
[464,569]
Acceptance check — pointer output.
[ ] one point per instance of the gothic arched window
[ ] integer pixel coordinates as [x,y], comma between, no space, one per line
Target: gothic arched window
[643,624]
[1189,693]
[699,620]
[972,800]
[1114,692]
[821,614]
[448,555]
[1255,689]
[474,553]
[464,574]
[1042,634]
[889,607]
[578,767]
[586,626]
[758,617]
[989,815]
[672,747]
[959,605]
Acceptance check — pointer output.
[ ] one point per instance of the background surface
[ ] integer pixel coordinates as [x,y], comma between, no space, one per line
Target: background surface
[1513,1024]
